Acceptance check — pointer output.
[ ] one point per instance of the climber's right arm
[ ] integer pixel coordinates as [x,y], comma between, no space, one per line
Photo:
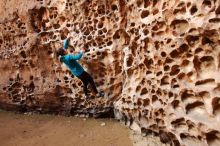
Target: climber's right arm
[66,44]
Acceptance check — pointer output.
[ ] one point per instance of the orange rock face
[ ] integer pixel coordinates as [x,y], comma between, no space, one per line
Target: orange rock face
[158,62]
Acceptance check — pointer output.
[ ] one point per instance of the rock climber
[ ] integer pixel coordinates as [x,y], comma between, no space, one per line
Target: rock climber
[70,60]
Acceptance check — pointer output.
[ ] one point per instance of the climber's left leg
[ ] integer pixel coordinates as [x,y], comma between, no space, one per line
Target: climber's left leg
[92,83]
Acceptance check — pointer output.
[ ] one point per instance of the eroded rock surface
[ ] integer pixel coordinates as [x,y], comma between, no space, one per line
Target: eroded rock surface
[157,62]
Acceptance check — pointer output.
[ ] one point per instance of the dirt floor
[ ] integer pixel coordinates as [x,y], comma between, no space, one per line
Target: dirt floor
[48,130]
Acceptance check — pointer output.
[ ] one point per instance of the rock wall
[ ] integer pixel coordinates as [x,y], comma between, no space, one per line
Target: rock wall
[158,62]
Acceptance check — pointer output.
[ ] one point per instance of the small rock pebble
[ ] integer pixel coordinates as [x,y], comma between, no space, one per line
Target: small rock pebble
[103,124]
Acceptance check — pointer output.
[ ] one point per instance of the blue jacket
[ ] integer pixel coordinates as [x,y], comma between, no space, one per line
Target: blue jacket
[65,44]
[72,64]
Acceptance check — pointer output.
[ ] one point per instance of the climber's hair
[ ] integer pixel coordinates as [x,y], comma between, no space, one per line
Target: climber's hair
[60,52]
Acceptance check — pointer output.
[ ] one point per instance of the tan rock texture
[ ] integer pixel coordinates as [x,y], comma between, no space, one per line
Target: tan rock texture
[158,62]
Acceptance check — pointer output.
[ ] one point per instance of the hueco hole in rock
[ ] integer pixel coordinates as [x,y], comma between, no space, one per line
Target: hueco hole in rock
[157,62]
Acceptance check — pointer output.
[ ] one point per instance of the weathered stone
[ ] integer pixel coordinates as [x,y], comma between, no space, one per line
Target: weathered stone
[157,62]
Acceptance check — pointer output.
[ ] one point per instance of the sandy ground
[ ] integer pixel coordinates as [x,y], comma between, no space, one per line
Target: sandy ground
[48,130]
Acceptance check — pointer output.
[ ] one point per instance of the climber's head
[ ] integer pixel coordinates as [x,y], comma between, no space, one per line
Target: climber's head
[61,52]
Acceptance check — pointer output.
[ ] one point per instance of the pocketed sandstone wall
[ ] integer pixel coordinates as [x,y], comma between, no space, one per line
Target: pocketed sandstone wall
[157,62]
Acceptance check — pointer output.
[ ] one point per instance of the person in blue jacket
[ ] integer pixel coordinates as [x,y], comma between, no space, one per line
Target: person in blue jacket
[71,62]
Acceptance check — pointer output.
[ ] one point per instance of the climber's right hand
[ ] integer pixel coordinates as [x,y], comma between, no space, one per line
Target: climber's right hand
[82,50]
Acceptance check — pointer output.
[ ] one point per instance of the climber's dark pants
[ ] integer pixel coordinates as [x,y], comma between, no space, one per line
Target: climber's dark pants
[87,79]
